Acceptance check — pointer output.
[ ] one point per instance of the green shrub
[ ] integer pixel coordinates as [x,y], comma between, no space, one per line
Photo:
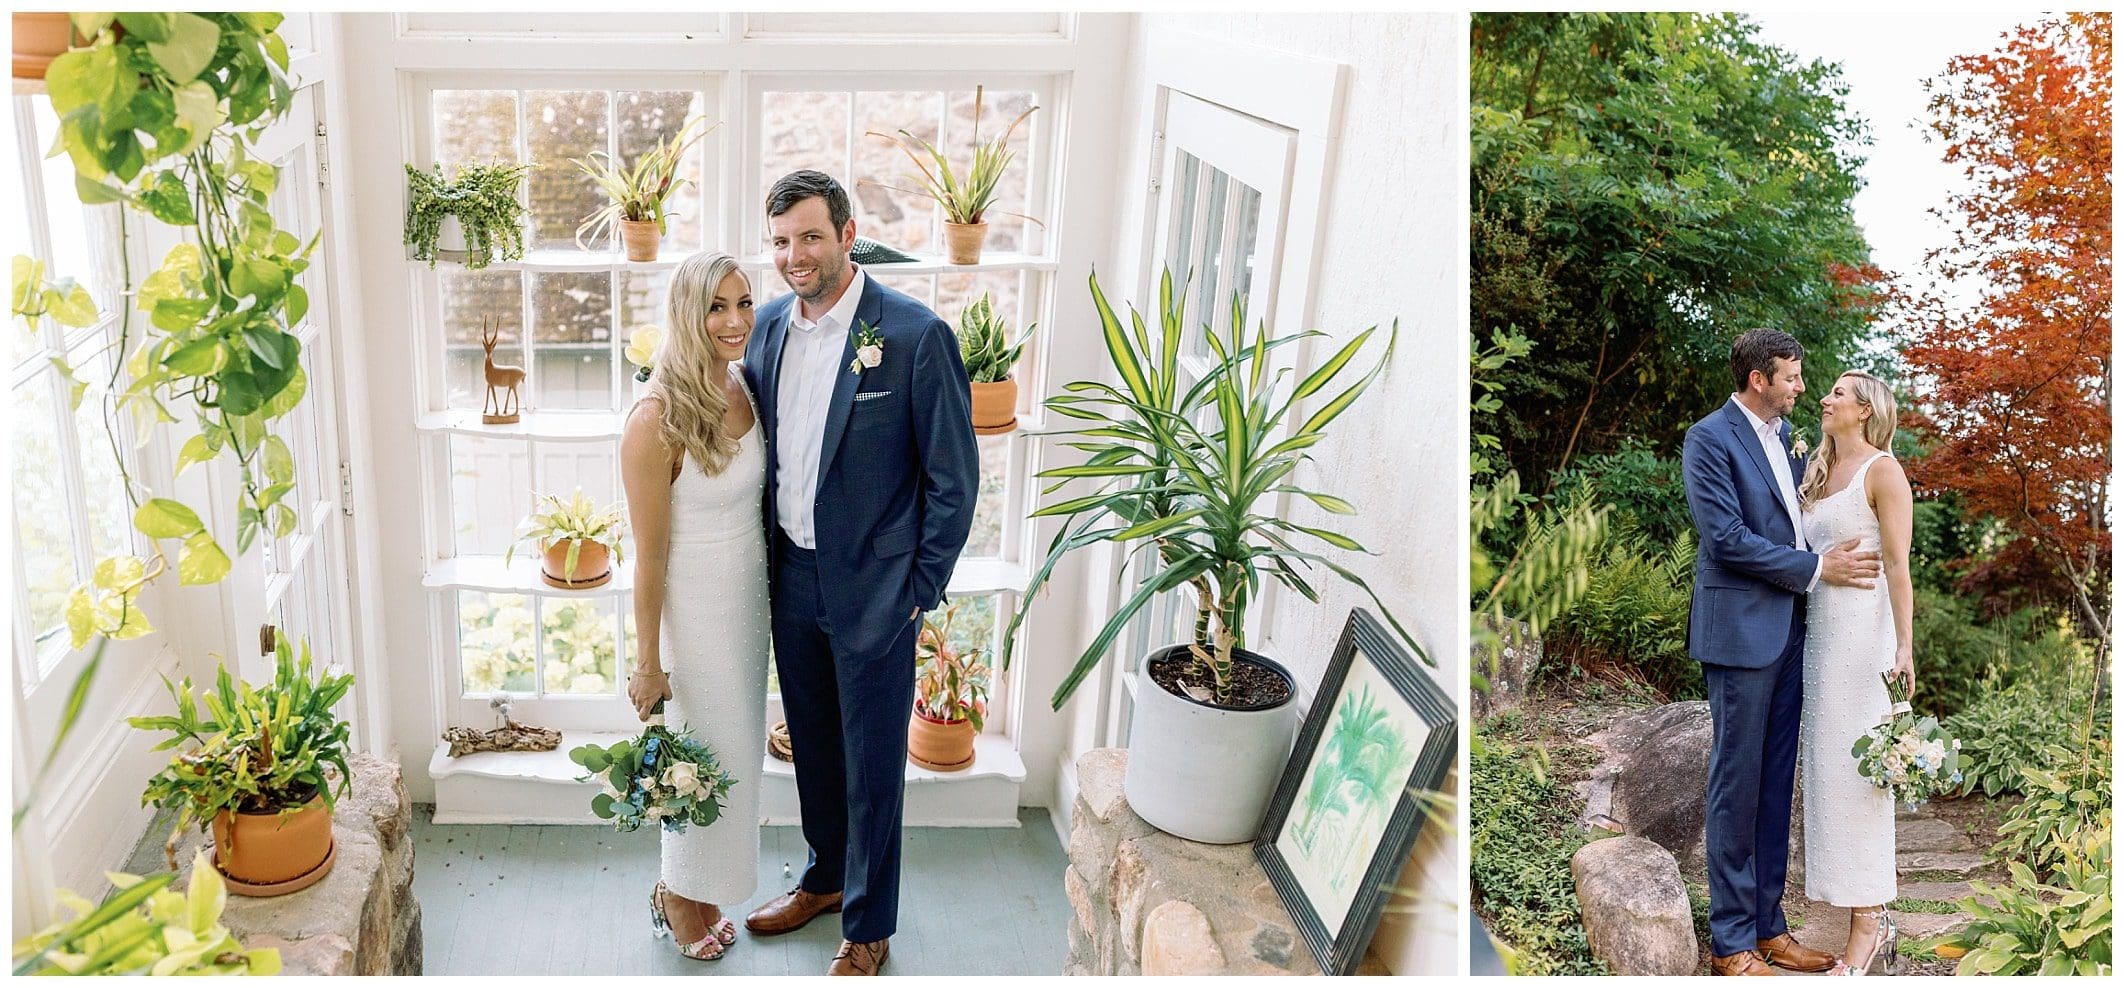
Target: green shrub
[2058,928]
[2007,730]
[1643,488]
[1635,614]
[1522,835]
[1962,657]
[2062,805]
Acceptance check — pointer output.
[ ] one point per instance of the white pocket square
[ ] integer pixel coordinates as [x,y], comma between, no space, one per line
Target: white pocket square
[871,395]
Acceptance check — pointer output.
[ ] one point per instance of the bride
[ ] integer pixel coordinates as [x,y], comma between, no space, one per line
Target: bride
[1854,489]
[695,470]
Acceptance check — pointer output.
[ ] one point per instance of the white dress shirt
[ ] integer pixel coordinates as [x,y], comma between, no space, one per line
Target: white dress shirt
[1774,448]
[811,366]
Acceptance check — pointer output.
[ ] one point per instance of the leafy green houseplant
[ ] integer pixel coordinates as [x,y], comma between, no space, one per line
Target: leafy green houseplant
[261,753]
[986,349]
[637,195]
[580,541]
[1193,500]
[966,198]
[951,697]
[480,202]
[145,927]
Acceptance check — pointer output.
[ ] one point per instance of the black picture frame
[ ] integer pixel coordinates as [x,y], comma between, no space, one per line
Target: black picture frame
[1340,950]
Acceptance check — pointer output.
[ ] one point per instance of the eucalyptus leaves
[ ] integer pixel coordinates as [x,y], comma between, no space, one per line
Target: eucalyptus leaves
[482,197]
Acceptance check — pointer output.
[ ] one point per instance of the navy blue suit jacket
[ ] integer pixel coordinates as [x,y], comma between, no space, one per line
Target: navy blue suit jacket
[900,468]
[1749,578]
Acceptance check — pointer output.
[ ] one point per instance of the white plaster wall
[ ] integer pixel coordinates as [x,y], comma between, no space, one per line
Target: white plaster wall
[1394,247]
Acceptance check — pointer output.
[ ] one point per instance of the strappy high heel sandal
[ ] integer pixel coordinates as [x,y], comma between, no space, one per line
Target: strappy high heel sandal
[709,947]
[1884,953]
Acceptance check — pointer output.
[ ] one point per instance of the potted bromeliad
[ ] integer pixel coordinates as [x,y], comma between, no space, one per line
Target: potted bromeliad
[636,196]
[579,541]
[989,355]
[951,698]
[474,217]
[966,198]
[1186,473]
[258,769]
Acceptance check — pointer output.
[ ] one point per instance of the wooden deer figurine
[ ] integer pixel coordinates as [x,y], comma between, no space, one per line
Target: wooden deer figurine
[502,405]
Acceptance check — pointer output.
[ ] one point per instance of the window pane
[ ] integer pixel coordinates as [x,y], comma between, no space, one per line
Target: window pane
[920,287]
[42,542]
[563,126]
[957,291]
[84,238]
[805,130]
[110,534]
[896,219]
[581,647]
[494,642]
[1207,262]
[998,109]
[986,540]
[474,127]
[571,326]
[490,483]
[973,627]
[644,301]
[1242,268]
[648,117]
[469,299]
[565,467]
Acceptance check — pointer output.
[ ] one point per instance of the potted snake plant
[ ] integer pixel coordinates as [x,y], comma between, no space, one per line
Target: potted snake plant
[578,541]
[966,198]
[985,348]
[1185,473]
[473,217]
[951,698]
[254,770]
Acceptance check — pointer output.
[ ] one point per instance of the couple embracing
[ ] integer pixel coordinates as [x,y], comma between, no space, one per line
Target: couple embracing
[1802,602]
[806,480]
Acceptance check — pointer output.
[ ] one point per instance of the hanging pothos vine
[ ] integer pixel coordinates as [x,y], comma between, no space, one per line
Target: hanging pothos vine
[162,112]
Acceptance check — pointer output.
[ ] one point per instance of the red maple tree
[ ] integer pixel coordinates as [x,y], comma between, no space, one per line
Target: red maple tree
[2013,387]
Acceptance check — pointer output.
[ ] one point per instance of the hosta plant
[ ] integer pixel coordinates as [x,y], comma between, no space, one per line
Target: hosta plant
[575,519]
[251,749]
[984,342]
[145,927]
[951,685]
[482,197]
[637,194]
[966,196]
[2061,927]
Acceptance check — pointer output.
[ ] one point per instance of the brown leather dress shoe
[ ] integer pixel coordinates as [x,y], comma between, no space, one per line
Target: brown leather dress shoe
[860,958]
[1789,954]
[1744,963]
[786,913]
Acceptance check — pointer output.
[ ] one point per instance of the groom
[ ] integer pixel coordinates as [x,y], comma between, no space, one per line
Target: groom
[1748,626]
[871,477]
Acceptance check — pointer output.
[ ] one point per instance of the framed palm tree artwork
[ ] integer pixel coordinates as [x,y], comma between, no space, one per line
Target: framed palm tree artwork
[1347,811]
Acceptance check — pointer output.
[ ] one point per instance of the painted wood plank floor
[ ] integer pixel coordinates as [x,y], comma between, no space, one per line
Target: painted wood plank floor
[532,900]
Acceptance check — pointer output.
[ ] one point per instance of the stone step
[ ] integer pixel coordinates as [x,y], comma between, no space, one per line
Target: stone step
[1936,891]
[1924,926]
[1929,835]
[1958,862]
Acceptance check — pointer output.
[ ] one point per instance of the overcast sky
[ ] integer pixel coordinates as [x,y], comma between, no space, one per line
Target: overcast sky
[1886,59]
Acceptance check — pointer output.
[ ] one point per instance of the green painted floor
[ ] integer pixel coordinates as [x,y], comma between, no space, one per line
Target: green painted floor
[533,900]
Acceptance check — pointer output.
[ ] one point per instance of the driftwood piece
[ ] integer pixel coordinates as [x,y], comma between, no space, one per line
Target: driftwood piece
[511,736]
[778,742]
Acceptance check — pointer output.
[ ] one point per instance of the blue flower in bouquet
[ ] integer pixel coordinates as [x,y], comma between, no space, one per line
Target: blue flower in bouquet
[662,777]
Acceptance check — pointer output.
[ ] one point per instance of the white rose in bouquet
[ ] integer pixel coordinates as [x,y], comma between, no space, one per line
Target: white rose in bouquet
[685,777]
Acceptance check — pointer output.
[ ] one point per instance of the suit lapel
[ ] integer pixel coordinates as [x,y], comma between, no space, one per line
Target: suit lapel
[771,369]
[868,310]
[1754,447]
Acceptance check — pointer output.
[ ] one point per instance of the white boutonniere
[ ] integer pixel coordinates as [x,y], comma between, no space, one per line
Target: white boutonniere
[869,346]
[1799,445]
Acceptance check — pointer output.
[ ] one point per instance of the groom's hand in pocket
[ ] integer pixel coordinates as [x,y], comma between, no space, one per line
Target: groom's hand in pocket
[1845,566]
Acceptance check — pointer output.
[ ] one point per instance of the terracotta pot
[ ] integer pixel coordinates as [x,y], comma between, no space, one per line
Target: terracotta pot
[39,38]
[940,745]
[271,853]
[963,241]
[593,565]
[641,238]
[995,407]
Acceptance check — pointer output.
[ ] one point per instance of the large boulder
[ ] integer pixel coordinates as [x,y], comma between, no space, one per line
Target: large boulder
[1633,905]
[1656,765]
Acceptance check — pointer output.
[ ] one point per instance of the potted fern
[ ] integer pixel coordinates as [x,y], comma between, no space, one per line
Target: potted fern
[1184,474]
[636,195]
[579,542]
[951,699]
[474,217]
[966,198]
[254,770]
[985,348]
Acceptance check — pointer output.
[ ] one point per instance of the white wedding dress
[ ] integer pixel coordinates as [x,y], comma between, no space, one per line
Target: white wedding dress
[714,641]
[1850,643]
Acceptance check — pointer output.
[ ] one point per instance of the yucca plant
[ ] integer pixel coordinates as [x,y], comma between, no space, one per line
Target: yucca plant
[637,194]
[574,519]
[1193,494]
[256,749]
[984,342]
[966,197]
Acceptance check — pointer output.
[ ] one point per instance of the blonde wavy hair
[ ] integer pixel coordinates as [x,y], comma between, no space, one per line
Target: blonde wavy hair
[1871,392]
[694,405]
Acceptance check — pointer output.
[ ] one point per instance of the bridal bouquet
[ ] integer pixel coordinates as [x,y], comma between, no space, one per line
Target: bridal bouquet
[663,776]
[1908,755]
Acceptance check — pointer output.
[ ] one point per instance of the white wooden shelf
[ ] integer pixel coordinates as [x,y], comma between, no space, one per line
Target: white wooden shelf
[488,574]
[545,426]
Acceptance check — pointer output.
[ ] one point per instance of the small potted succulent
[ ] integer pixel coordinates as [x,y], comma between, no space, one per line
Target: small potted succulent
[966,199]
[254,769]
[636,196]
[474,217]
[579,541]
[985,347]
[951,698]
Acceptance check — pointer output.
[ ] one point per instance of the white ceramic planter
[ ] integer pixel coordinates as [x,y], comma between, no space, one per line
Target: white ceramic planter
[450,238]
[1202,772]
